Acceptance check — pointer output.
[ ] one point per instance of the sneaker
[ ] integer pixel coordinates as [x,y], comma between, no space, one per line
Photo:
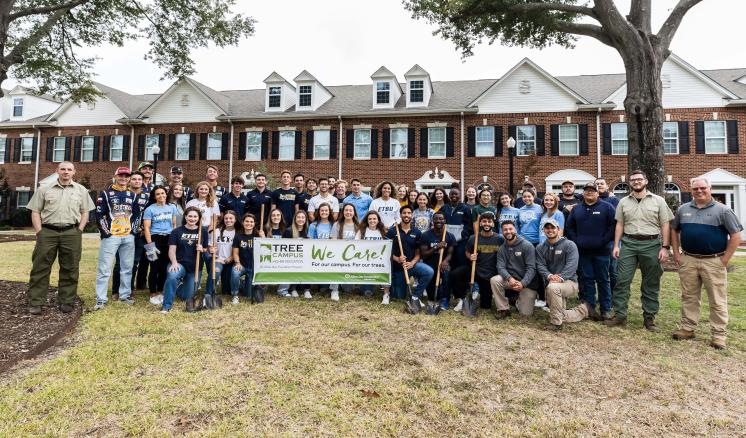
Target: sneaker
[235,300]
[154,300]
[294,294]
[99,306]
[284,294]
[386,299]
[459,305]
[444,304]
[307,294]
[127,301]
[335,295]
[160,298]
[165,311]
[540,303]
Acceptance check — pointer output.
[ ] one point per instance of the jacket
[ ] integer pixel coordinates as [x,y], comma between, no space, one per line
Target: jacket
[591,227]
[611,199]
[560,258]
[459,215]
[117,212]
[518,261]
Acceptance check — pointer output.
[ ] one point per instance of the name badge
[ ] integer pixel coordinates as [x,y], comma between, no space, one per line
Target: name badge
[558,252]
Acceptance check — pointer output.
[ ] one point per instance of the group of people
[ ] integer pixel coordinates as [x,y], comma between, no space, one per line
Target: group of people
[528,253]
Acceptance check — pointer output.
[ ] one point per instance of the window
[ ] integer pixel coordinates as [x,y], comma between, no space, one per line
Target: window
[151,141]
[485,141]
[58,152]
[672,189]
[182,147]
[116,148]
[27,149]
[24,196]
[86,148]
[715,138]
[253,146]
[321,145]
[382,92]
[619,144]
[568,140]
[17,107]
[275,93]
[399,143]
[184,100]
[362,144]
[417,91]
[3,145]
[287,145]
[436,143]
[304,95]
[670,138]
[526,141]
[621,189]
[215,146]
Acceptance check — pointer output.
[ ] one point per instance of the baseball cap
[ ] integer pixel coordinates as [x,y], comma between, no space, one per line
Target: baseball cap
[145,164]
[123,171]
[567,182]
[176,169]
[551,222]
[590,186]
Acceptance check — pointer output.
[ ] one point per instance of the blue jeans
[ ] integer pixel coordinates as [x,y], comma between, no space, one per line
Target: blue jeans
[210,286]
[422,272]
[108,250]
[138,268]
[172,288]
[236,279]
[595,274]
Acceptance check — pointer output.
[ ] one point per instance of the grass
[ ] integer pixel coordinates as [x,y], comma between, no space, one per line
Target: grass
[358,368]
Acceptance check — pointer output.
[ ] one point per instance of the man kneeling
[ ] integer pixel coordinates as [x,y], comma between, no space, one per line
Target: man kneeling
[516,269]
[557,263]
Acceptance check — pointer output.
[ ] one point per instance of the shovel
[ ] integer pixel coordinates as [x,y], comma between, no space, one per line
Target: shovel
[409,306]
[433,308]
[196,303]
[470,308]
[214,301]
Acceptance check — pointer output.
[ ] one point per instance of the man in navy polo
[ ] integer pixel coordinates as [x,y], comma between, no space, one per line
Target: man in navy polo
[235,200]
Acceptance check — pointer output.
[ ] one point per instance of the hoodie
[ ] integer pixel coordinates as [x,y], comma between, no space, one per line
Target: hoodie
[558,258]
[518,261]
[611,199]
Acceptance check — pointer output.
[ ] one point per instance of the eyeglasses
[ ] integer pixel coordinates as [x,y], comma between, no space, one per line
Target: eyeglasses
[636,179]
[698,189]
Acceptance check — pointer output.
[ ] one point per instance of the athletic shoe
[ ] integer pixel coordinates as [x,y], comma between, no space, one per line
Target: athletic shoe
[307,294]
[127,301]
[235,300]
[444,304]
[165,311]
[475,295]
[294,294]
[386,299]
[335,295]
[459,305]
[285,294]
[99,306]
[154,300]
[540,303]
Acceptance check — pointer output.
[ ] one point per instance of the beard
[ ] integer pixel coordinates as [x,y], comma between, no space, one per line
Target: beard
[638,190]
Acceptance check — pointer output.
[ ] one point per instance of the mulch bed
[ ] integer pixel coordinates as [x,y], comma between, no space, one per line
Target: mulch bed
[4,238]
[25,336]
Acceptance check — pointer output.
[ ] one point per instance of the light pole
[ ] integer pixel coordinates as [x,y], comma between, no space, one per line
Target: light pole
[511,152]
[156,152]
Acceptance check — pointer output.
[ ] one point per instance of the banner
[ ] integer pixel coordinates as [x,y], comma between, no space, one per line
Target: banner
[309,261]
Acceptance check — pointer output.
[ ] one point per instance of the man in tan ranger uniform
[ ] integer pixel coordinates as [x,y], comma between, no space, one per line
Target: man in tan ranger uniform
[59,213]
[642,227]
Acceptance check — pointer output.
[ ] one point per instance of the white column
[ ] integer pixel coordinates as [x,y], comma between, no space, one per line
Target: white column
[740,207]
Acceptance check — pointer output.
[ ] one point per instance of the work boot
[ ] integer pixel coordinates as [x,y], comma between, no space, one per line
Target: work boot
[190,305]
[607,315]
[682,334]
[115,296]
[650,324]
[552,327]
[502,314]
[34,310]
[593,314]
[717,344]
[66,308]
[616,321]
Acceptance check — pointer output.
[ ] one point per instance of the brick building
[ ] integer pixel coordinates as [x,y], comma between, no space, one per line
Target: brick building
[566,128]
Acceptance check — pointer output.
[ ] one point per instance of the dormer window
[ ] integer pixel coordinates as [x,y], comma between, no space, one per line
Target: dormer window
[383,90]
[184,100]
[18,107]
[417,91]
[274,96]
[304,95]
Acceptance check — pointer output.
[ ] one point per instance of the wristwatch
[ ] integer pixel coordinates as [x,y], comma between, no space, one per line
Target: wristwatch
[666,246]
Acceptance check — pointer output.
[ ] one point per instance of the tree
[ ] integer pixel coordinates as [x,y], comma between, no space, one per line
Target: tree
[540,23]
[40,40]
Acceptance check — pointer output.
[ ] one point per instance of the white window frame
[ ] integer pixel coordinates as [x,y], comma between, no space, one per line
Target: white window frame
[489,143]
[383,87]
[620,190]
[84,149]
[317,141]
[283,146]
[120,148]
[619,139]
[672,189]
[675,137]
[394,145]
[215,143]
[3,145]
[181,153]
[27,148]
[27,193]
[58,148]
[420,88]
[253,135]
[518,133]
[724,137]
[567,126]
[18,103]
[359,145]
[272,92]
[431,143]
[149,148]
[302,94]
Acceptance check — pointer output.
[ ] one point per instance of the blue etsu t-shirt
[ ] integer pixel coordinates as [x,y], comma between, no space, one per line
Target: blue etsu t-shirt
[528,222]
[431,240]
[320,230]
[161,218]
[410,242]
[185,241]
[705,231]
[245,245]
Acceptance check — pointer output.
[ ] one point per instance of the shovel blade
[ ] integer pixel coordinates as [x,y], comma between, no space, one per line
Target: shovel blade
[467,307]
[258,296]
[209,302]
[218,300]
[433,309]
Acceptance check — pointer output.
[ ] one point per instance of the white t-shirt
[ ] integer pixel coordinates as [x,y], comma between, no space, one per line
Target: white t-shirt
[372,234]
[348,233]
[317,200]
[388,210]
[206,210]
[225,243]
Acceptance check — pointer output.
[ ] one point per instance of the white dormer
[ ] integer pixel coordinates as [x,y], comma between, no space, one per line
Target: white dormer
[311,94]
[386,89]
[19,104]
[280,93]
[419,87]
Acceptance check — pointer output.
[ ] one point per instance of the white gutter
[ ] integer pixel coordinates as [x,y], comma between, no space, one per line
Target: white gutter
[339,147]
[132,150]
[38,156]
[462,157]
[230,157]
[598,144]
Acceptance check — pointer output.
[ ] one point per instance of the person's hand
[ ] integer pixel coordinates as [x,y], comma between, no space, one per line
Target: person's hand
[200,248]
[445,266]
[407,265]
[213,250]
[517,286]
[677,258]
[663,255]
[173,268]
[724,260]
[473,257]
[261,233]
[402,259]
[440,245]
[555,278]
[615,252]
[237,267]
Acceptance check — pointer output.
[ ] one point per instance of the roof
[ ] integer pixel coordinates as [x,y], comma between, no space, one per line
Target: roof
[130,104]
[727,78]
[595,88]
[40,120]
[31,92]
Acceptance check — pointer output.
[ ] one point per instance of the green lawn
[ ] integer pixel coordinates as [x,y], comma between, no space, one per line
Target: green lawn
[358,368]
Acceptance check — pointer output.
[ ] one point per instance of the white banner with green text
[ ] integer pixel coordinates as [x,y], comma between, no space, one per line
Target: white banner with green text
[307,261]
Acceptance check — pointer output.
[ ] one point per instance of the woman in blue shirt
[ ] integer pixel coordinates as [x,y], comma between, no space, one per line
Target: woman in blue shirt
[321,229]
[529,217]
[551,211]
[159,221]
[506,211]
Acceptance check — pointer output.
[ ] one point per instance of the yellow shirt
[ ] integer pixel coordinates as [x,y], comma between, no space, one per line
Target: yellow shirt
[644,217]
[61,205]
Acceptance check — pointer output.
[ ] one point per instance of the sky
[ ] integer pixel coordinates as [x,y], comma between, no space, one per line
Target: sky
[343,42]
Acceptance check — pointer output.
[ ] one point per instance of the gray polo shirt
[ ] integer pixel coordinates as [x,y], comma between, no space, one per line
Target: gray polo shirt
[706,230]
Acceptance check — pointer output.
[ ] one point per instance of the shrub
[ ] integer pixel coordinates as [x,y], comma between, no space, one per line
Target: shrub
[21,217]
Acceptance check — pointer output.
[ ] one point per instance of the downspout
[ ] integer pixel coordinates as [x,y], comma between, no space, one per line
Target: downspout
[462,157]
[339,147]
[38,156]
[132,150]
[230,156]
[598,144]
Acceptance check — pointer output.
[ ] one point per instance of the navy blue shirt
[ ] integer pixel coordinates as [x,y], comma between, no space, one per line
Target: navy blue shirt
[591,227]
[458,217]
[431,240]
[245,245]
[302,200]
[284,200]
[235,203]
[256,200]
[185,241]
[410,243]
[706,230]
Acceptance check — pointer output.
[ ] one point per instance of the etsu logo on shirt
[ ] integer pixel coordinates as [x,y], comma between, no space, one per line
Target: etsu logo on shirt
[518,253]
[386,208]
[558,252]
[686,214]
[596,212]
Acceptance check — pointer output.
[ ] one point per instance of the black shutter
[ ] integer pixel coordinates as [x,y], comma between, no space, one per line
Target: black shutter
[583,132]
[732,132]
[203,146]
[450,148]
[699,137]
[171,147]
[68,148]
[224,146]
[684,138]
[309,144]
[17,151]
[141,148]
[275,145]
[423,142]
[8,146]
[606,128]
[686,197]
[126,148]
[471,141]
[192,146]
[498,141]
[386,146]
[411,143]
[350,143]
[76,147]
[33,149]
[242,145]
[298,138]
[106,149]
[554,139]
[265,141]
[96,144]
[50,149]
[540,142]
[333,144]
[373,143]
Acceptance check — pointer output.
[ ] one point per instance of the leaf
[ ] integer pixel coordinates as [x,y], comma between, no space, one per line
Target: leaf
[367,393]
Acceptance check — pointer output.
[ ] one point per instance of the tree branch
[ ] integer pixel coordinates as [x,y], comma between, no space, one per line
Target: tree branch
[671,25]
[46,9]
[590,30]
[560,7]
[16,55]
[639,14]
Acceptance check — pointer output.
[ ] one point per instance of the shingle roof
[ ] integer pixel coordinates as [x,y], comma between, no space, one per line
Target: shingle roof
[727,78]
[130,104]
[39,119]
[595,88]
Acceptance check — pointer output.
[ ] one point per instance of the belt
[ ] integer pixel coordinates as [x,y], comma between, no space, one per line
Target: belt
[704,256]
[60,228]
[642,236]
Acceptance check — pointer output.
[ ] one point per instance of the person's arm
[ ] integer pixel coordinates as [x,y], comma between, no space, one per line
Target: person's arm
[335,211]
[237,265]
[610,225]
[570,226]
[146,231]
[571,261]
[102,214]
[665,234]
[529,257]
[676,243]
[733,242]
[445,265]
[618,231]
[36,221]
[172,257]
[425,250]
[502,264]
[541,265]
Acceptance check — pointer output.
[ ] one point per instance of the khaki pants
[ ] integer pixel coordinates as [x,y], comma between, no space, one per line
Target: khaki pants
[693,273]
[526,296]
[557,294]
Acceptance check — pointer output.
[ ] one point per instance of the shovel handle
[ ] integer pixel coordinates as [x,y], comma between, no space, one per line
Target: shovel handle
[476,245]
[401,252]
[214,243]
[196,258]
[440,258]
[261,218]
